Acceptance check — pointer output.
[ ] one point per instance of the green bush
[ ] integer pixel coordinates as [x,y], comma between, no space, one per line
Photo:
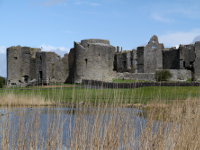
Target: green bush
[2,82]
[189,80]
[163,75]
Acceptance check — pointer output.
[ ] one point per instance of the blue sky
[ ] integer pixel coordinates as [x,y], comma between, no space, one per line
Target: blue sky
[55,24]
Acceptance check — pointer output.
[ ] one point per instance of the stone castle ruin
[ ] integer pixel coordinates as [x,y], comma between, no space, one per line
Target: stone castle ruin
[96,59]
[183,62]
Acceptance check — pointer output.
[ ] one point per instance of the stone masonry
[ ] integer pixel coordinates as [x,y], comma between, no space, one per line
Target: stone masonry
[125,61]
[50,68]
[91,59]
[197,61]
[21,65]
[153,55]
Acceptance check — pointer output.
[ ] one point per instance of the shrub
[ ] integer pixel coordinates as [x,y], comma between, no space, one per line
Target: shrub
[189,80]
[163,75]
[2,82]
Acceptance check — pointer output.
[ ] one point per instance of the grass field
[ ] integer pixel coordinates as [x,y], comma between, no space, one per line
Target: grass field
[142,95]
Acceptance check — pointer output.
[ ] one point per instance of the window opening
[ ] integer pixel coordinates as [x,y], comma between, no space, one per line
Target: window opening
[153,47]
[26,78]
[40,74]
[184,64]
[124,64]
[86,60]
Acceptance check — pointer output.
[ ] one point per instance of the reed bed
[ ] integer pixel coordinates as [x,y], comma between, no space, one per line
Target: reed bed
[102,126]
[11,99]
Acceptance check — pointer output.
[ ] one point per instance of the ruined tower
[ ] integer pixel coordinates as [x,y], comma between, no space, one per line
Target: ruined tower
[91,59]
[20,65]
[197,61]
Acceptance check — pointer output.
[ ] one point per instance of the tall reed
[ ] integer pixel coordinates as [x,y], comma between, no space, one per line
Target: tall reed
[11,99]
[102,126]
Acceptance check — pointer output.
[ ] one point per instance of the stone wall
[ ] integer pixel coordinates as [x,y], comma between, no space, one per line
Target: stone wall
[179,74]
[140,59]
[188,55]
[134,61]
[197,61]
[125,61]
[171,58]
[101,84]
[153,55]
[92,59]
[51,68]
[136,76]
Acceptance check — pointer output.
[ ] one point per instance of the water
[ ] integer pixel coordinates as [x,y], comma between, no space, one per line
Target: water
[59,124]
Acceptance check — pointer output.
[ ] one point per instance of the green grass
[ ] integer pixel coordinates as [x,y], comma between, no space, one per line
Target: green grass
[137,95]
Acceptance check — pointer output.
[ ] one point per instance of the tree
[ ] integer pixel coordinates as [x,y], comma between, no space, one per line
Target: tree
[2,82]
[163,75]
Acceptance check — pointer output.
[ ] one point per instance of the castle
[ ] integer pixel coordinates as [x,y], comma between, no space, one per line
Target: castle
[96,59]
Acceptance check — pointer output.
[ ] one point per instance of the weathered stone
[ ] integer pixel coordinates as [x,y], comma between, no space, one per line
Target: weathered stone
[92,59]
[171,58]
[125,61]
[179,74]
[50,68]
[20,65]
[136,76]
[153,55]
[140,59]
[197,61]
[188,55]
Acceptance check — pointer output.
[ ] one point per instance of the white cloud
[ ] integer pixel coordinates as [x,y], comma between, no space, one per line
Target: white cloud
[59,50]
[176,38]
[3,71]
[2,49]
[166,12]
[53,2]
[161,18]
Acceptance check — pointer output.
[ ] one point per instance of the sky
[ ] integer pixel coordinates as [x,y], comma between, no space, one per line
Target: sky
[54,25]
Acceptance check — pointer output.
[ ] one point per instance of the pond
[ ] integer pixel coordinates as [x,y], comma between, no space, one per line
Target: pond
[70,128]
